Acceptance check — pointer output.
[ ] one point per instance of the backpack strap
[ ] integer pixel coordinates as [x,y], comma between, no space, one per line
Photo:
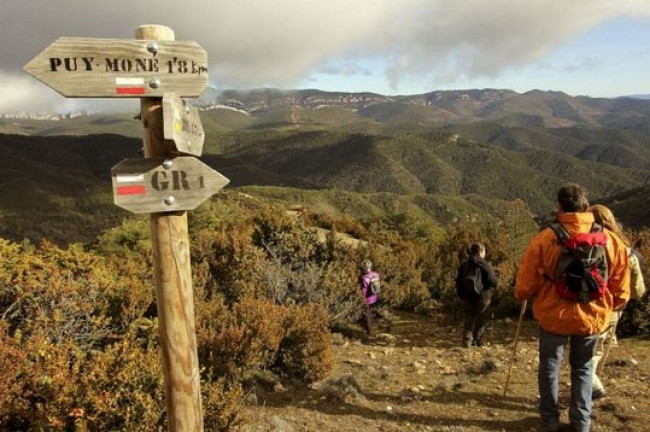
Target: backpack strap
[561,232]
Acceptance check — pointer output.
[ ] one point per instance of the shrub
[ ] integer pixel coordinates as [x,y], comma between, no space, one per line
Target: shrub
[505,240]
[221,399]
[132,238]
[305,350]
[258,334]
[13,367]
[225,262]
[122,388]
[401,274]
[58,384]
[248,339]
[46,387]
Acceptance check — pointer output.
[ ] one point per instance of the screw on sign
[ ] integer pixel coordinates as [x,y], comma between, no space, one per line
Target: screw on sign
[161,185]
[89,67]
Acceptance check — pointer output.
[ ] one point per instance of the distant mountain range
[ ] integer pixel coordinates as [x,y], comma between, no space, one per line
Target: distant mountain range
[540,108]
[548,109]
[638,96]
[441,154]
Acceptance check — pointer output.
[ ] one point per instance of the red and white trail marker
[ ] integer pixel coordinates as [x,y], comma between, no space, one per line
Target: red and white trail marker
[130,184]
[129,86]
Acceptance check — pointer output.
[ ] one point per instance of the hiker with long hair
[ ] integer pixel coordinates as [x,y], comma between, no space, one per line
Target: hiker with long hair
[577,274]
[605,217]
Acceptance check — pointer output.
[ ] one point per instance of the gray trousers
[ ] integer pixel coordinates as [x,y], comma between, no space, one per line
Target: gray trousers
[581,351]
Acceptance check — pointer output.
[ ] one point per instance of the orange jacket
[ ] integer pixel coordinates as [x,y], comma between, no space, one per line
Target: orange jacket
[558,315]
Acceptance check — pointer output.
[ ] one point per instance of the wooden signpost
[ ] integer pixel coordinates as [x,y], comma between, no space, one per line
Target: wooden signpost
[159,185]
[162,184]
[182,125]
[87,67]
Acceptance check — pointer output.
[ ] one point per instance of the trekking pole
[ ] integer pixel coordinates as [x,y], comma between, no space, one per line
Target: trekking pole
[609,340]
[514,350]
[492,328]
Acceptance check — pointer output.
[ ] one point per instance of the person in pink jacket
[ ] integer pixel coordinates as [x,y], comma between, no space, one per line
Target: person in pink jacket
[369,285]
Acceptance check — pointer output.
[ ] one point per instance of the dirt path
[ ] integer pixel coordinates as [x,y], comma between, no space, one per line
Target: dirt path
[416,378]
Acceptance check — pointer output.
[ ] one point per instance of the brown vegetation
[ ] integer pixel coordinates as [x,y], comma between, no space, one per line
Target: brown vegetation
[79,331]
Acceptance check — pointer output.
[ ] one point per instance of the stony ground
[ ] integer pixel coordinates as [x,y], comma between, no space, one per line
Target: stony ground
[415,377]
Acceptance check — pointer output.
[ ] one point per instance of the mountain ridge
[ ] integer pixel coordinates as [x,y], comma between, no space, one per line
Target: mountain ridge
[556,109]
[494,144]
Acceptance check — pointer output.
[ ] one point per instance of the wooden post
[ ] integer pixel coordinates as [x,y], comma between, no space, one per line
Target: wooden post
[173,278]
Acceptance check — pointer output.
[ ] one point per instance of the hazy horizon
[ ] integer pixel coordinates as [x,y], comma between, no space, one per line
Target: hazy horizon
[113,106]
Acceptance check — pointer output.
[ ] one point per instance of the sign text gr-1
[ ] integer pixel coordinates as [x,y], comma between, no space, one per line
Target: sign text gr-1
[89,67]
[156,185]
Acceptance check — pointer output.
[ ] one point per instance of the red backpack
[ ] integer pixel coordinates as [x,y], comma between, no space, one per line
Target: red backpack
[582,270]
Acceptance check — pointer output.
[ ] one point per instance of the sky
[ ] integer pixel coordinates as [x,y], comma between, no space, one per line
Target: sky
[599,48]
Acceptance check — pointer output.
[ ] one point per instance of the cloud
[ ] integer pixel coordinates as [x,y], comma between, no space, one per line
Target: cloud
[21,93]
[475,38]
[346,69]
[584,63]
[252,43]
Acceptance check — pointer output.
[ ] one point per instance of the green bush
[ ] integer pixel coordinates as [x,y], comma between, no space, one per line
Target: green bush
[505,240]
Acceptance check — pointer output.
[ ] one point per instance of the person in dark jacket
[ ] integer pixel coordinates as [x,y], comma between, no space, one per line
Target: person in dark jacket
[475,283]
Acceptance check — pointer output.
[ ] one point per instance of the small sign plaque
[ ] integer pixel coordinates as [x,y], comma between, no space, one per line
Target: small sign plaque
[182,124]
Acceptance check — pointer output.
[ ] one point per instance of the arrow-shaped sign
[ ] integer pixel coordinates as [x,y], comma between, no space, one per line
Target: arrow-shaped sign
[162,185]
[89,67]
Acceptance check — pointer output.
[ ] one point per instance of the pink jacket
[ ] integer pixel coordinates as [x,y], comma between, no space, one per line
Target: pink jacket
[364,284]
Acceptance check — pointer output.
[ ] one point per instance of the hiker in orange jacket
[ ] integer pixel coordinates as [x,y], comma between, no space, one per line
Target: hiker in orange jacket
[563,320]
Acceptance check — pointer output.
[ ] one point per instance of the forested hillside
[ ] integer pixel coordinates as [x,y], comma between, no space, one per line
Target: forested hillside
[59,187]
[496,144]
[319,182]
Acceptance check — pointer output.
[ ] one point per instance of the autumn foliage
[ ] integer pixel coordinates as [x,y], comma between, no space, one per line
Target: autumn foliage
[79,330]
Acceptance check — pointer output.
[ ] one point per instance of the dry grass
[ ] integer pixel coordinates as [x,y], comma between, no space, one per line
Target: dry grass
[418,379]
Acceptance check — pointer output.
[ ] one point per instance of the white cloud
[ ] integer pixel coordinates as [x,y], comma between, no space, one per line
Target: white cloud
[21,93]
[582,64]
[253,43]
[475,38]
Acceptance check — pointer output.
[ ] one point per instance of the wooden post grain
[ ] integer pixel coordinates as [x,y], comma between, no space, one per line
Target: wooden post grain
[173,278]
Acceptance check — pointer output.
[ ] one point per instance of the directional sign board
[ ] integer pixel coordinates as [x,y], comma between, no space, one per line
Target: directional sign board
[182,125]
[162,185]
[89,67]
